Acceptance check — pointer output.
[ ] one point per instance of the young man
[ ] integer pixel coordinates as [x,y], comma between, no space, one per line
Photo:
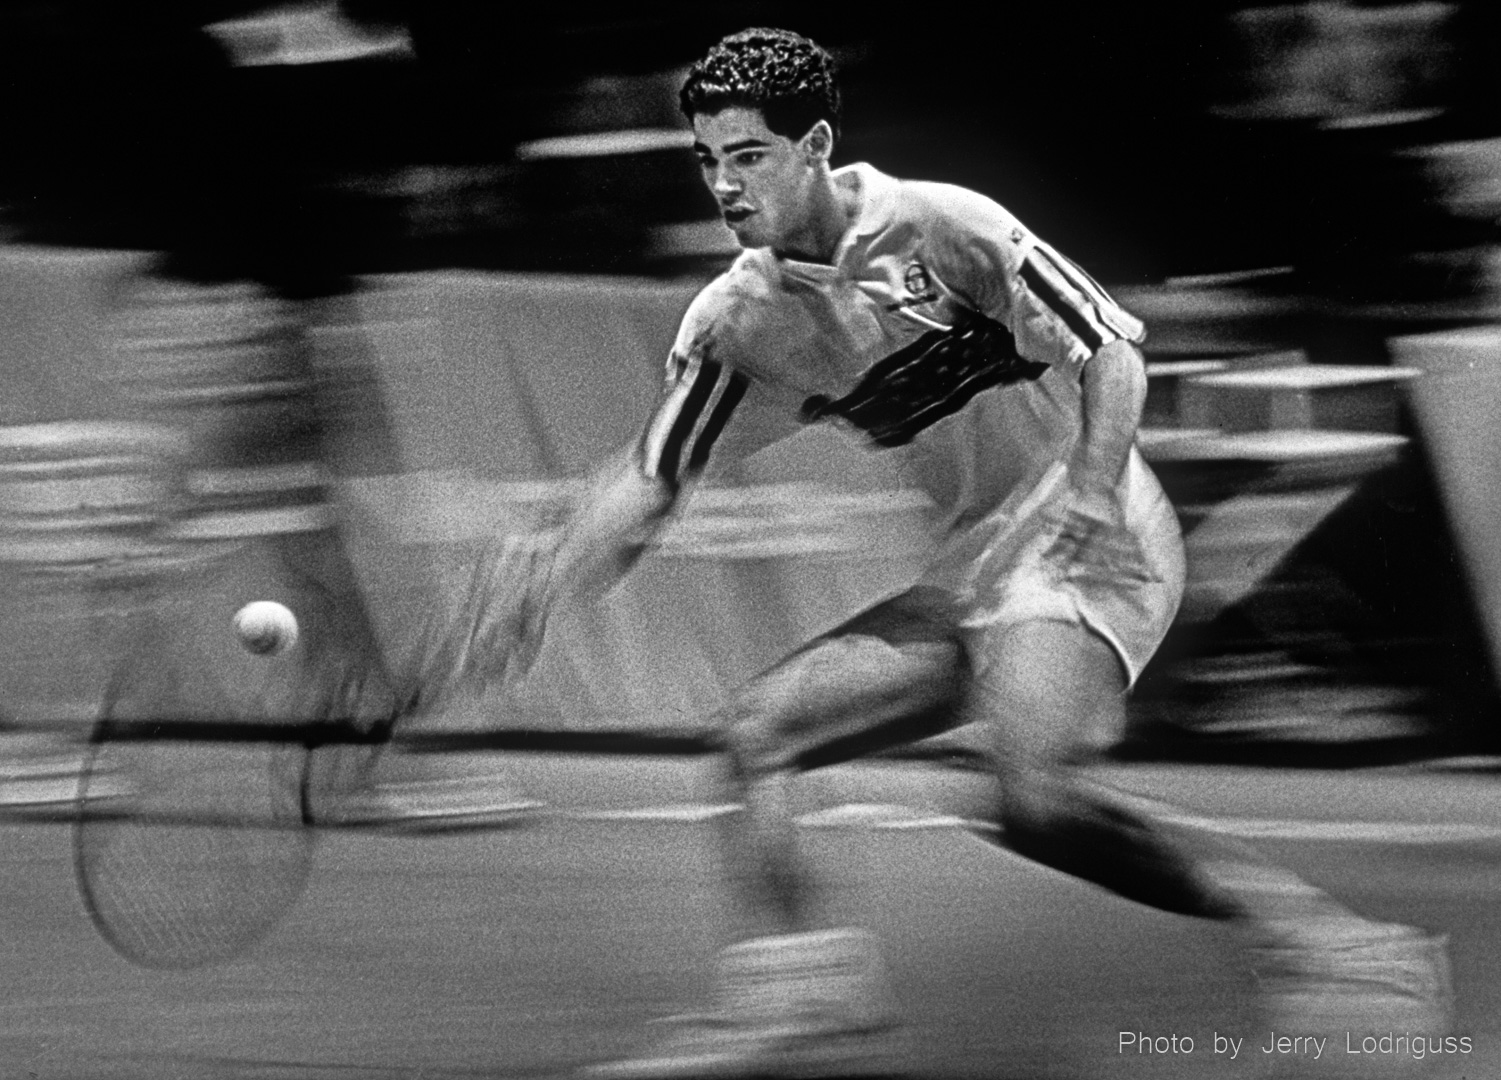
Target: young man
[930,322]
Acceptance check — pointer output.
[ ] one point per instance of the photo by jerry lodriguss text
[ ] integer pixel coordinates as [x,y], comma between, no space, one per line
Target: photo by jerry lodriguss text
[1289,1044]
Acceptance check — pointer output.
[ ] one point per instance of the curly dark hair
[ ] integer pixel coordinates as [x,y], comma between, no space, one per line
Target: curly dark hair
[791,79]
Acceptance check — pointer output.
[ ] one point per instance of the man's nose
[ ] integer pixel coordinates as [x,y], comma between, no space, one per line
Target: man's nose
[725,182]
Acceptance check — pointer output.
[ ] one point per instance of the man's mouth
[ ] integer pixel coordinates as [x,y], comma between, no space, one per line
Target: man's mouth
[734,215]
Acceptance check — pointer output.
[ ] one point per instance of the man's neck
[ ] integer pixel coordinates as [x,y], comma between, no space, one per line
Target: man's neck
[832,209]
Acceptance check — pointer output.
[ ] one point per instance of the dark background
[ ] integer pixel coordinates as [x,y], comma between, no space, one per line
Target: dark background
[128,126]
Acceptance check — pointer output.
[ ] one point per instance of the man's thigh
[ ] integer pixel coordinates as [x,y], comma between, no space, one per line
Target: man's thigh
[891,674]
[1046,692]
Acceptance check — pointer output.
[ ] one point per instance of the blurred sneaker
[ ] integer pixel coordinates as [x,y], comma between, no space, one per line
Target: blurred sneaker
[796,1005]
[444,803]
[1348,975]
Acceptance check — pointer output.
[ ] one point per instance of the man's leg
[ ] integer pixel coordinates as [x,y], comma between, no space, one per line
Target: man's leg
[891,674]
[789,997]
[1047,692]
[1044,691]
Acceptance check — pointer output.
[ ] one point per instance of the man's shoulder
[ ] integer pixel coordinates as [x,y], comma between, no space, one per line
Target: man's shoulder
[747,284]
[962,232]
[747,280]
[731,304]
[939,205]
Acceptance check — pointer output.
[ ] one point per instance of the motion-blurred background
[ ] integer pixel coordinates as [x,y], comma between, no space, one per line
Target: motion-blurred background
[306,301]
[395,274]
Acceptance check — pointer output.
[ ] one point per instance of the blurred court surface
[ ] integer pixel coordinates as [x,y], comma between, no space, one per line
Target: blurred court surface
[532,950]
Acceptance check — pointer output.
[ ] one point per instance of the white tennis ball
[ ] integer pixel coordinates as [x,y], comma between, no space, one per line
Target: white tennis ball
[266,628]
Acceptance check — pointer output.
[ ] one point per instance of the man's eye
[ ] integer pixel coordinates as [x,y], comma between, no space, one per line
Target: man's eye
[749,158]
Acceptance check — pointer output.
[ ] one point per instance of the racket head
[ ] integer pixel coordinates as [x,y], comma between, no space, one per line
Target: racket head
[189,837]
[189,850]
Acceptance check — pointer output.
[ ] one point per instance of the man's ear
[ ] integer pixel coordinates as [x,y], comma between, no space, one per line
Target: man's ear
[818,144]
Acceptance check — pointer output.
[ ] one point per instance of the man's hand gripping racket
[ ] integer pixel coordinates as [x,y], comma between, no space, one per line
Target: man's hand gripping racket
[495,632]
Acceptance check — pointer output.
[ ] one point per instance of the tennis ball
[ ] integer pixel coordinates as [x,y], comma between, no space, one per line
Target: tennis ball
[266,628]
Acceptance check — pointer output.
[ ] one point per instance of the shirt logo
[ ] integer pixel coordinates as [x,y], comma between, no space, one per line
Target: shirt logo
[919,287]
[917,279]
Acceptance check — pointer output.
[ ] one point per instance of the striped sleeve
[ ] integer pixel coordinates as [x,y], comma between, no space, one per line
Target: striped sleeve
[700,397]
[1085,309]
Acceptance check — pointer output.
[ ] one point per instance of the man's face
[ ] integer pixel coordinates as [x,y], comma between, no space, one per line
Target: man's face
[760,179]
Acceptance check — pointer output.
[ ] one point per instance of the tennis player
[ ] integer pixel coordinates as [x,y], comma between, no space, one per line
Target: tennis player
[931,323]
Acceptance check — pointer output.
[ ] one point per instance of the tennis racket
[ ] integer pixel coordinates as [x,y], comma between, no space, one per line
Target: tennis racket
[189,849]
[190,837]
[208,762]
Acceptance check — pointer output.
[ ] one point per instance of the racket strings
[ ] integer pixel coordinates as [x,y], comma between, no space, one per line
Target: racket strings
[201,858]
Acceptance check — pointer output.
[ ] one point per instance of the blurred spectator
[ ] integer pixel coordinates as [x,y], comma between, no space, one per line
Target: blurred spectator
[1335,60]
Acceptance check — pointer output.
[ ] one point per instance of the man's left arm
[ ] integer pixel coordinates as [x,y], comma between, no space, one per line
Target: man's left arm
[1113,386]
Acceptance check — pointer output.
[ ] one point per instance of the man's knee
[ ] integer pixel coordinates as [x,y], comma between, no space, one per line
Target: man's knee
[754,745]
[1052,693]
[839,690]
[1036,800]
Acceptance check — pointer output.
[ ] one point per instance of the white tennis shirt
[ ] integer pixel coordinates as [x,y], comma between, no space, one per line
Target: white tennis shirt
[774,340]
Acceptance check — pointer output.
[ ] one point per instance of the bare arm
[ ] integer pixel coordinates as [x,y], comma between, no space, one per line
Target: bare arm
[1114,383]
[633,494]
[616,522]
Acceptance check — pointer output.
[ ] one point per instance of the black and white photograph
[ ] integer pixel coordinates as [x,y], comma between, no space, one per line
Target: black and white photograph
[775,541]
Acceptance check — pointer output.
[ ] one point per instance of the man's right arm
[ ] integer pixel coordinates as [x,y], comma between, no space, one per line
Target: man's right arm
[635,492]
[611,528]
